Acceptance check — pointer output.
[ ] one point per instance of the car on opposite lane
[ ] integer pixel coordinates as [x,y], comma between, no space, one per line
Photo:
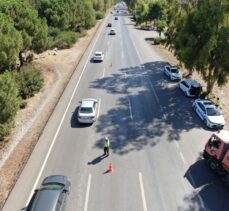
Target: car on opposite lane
[191,88]
[208,112]
[112,32]
[109,25]
[173,72]
[87,112]
[98,57]
[116,18]
[51,195]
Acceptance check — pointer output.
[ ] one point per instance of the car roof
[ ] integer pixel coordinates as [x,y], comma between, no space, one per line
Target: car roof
[193,82]
[46,200]
[88,102]
[223,135]
[98,52]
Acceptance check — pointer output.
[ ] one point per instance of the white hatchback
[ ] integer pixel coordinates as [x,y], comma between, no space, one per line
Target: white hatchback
[99,56]
[208,112]
[87,112]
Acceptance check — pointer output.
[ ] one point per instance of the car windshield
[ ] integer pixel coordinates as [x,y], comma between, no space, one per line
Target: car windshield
[98,54]
[85,110]
[213,112]
[174,70]
[52,187]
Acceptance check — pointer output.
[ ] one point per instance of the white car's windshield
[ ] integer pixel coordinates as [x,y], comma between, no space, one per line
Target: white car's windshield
[85,110]
[174,70]
[213,112]
[98,54]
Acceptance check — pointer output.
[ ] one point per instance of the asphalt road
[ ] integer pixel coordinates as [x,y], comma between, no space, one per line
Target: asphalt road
[156,138]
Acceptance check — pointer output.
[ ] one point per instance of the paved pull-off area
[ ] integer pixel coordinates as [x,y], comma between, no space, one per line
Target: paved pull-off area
[155,140]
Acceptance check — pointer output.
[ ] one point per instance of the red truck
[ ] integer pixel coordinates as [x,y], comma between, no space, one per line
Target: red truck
[216,154]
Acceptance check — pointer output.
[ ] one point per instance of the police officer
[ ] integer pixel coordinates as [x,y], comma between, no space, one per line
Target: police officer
[106,146]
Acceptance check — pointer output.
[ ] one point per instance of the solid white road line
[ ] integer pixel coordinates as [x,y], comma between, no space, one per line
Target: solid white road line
[87,192]
[131,116]
[99,107]
[104,70]
[182,157]
[142,191]
[62,120]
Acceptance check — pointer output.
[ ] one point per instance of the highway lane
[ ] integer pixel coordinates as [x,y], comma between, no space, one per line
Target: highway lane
[154,139]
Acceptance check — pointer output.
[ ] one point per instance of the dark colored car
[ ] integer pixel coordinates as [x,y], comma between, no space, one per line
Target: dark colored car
[116,18]
[109,25]
[51,195]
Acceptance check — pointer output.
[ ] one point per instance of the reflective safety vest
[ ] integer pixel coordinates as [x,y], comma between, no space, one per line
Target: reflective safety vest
[106,144]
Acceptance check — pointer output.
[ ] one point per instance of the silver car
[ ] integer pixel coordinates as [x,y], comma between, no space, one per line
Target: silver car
[172,72]
[99,56]
[87,112]
[51,195]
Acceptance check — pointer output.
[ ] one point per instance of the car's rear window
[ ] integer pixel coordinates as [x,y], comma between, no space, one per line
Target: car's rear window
[52,187]
[85,110]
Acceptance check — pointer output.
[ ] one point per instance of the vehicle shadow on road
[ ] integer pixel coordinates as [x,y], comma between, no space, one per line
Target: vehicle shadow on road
[212,193]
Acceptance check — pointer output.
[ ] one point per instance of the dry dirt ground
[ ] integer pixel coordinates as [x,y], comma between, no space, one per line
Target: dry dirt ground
[57,68]
[221,92]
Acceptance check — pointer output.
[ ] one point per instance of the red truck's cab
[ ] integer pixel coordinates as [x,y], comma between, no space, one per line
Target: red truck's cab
[217,148]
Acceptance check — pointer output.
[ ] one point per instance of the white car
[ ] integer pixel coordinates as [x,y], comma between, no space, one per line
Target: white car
[191,88]
[112,32]
[172,72]
[99,56]
[87,112]
[208,112]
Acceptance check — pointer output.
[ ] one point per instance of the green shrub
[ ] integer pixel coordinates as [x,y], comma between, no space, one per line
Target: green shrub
[29,81]
[65,39]
[5,130]
[158,40]
[99,15]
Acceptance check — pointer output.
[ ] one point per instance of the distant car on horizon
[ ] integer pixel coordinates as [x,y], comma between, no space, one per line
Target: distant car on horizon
[87,112]
[112,32]
[51,195]
[116,18]
[109,25]
[172,72]
[98,57]
[208,113]
[191,88]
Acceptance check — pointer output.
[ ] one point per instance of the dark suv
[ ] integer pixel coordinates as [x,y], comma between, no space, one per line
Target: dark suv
[51,195]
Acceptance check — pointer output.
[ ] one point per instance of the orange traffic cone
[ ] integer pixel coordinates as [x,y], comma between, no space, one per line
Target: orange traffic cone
[110,169]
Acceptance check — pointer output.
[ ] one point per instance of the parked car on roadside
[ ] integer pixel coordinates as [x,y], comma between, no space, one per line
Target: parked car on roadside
[99,56]
[87,112]
[51,195]
[191,88]
[208,112]
[173,72]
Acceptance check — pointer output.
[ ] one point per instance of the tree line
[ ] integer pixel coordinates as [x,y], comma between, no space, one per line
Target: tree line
[36,25]
[196,30]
